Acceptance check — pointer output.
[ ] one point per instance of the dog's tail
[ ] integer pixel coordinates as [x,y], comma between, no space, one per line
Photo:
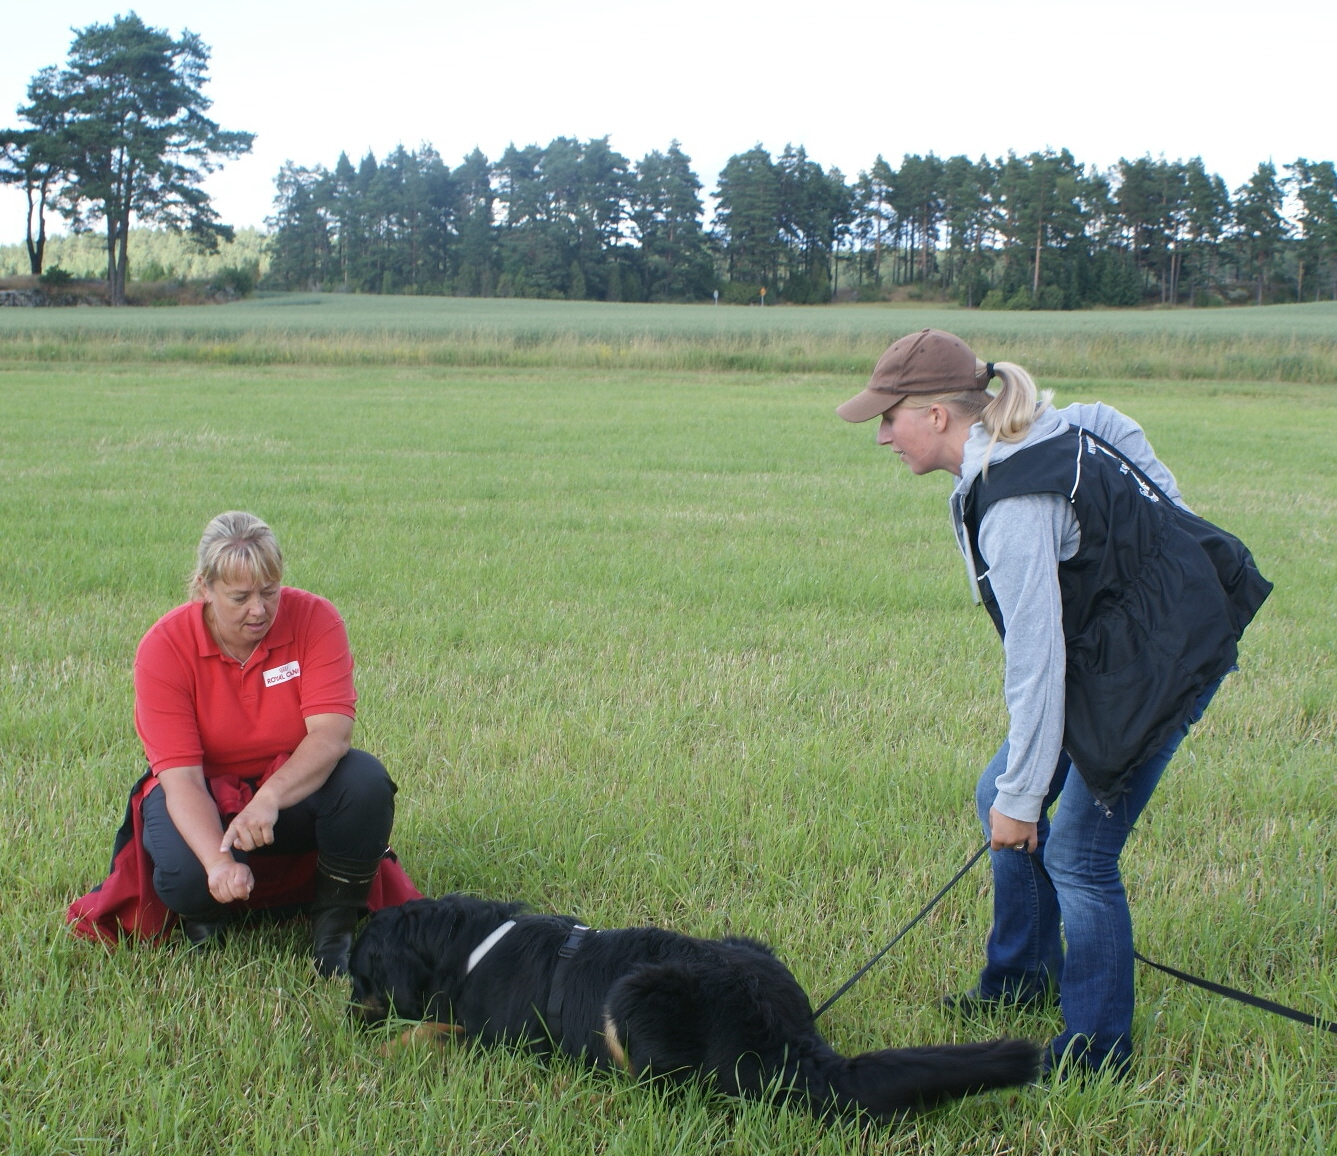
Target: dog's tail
[899,1080]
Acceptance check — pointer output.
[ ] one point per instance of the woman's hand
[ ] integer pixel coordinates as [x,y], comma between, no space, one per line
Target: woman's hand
[253,826]
[195,814]
[1007,834]
[230,880]
[307,768]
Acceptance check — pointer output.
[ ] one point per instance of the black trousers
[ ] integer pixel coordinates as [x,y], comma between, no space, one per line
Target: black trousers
[350,816]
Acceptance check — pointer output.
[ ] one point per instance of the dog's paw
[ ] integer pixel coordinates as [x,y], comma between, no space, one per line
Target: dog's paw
[429,1032]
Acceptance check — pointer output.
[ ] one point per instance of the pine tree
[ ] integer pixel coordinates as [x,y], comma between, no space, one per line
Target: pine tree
[1260,227]
[139,141]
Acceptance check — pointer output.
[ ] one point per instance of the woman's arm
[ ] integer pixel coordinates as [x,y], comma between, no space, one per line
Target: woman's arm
[1023,539]
[195,815]
[328,737]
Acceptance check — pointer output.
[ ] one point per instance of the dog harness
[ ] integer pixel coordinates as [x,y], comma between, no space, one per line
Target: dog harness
[557,992]
[476,956]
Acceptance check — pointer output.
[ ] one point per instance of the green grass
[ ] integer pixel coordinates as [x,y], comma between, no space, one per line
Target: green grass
[668,645]
[1276,343]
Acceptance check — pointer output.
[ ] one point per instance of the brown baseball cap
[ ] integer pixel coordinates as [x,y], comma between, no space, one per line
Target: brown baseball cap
[929,361]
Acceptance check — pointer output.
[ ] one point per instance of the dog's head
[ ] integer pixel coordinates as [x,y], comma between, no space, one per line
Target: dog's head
[410,961]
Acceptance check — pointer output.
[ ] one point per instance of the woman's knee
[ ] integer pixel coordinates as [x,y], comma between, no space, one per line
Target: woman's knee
[1076,865]
[178,876]
[355,809]
[986,790]
[185,890]
[361,780]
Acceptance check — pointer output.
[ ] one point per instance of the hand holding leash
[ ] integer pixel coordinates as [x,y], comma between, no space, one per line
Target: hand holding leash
[1008,834]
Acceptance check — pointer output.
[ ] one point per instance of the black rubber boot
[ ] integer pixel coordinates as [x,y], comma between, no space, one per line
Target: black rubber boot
[204,933]
[341,900]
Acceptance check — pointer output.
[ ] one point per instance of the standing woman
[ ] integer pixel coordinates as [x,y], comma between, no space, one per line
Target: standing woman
[244,702]
[1119,611]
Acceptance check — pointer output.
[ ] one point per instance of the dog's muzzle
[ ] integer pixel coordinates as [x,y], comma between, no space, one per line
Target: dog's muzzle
[370,1011]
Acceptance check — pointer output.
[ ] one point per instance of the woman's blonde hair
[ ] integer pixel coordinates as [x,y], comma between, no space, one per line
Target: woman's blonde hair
[235,543]
[1007,414]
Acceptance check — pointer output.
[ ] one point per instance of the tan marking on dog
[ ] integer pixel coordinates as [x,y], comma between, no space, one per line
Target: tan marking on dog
[371,1010]
[616,1052]
[430,1032]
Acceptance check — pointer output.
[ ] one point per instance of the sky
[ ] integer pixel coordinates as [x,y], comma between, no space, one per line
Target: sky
[1236,83]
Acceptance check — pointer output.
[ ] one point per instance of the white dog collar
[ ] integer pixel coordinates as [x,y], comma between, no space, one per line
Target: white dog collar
[475,956]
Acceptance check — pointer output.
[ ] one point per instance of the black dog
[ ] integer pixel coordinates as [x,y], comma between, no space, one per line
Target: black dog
[653,1002]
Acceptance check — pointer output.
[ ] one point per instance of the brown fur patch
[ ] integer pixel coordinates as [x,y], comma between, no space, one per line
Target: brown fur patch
[428,1032]
[371,1010]
[616,1052]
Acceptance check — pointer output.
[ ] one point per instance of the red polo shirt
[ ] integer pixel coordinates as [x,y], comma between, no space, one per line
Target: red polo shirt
[194,706]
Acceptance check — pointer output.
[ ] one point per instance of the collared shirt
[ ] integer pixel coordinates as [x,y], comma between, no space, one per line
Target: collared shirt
[195,706]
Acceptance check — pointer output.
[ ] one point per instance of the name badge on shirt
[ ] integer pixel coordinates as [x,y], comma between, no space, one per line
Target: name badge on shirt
[282,673]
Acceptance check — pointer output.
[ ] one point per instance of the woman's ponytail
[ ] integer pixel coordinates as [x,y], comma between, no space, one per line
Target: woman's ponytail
[1010,413]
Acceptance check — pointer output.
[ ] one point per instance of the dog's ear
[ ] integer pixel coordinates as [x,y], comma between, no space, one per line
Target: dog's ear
[367,1002]
[420,954]
[387,975]
[414,966]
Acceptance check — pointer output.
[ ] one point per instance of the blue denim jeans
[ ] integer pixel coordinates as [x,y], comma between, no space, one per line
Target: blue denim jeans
[1071,880]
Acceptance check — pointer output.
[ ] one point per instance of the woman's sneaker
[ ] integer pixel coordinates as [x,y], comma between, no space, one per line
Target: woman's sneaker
[971,1004]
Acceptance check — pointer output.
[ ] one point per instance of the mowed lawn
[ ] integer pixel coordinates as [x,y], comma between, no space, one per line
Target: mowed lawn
[642,645]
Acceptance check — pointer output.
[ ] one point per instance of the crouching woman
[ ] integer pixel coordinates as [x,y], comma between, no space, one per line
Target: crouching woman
[254,797]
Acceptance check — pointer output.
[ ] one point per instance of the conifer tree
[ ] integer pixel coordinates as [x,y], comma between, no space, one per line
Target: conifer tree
[137,141]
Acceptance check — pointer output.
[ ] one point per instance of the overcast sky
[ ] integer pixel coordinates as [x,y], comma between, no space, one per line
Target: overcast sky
[1233,82]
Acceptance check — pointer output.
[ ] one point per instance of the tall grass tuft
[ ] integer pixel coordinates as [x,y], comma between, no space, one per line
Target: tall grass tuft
[1278,343]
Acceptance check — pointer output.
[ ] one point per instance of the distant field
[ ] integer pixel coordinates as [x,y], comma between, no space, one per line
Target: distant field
[643,643]
[1275,343]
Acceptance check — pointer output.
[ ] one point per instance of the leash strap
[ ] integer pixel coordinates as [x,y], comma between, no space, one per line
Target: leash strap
[1217,988]
[1241,996]
[929,906]
[557,991]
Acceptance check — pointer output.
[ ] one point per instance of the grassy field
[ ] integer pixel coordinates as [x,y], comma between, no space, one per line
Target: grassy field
[670,645]
[1279,343]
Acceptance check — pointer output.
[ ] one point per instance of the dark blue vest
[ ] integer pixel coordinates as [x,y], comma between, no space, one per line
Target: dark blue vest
[1154,600]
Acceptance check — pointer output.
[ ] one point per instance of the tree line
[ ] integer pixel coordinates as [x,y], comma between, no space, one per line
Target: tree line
[579,220]
[157,255]
[120,134]
[570,220]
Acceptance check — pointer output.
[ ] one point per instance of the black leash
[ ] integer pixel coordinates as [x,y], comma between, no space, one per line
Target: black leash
[929,906]
[1243,996]
[1217,988]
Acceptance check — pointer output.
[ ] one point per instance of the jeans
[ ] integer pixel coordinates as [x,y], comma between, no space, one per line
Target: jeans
[1072,879]
[350,815]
